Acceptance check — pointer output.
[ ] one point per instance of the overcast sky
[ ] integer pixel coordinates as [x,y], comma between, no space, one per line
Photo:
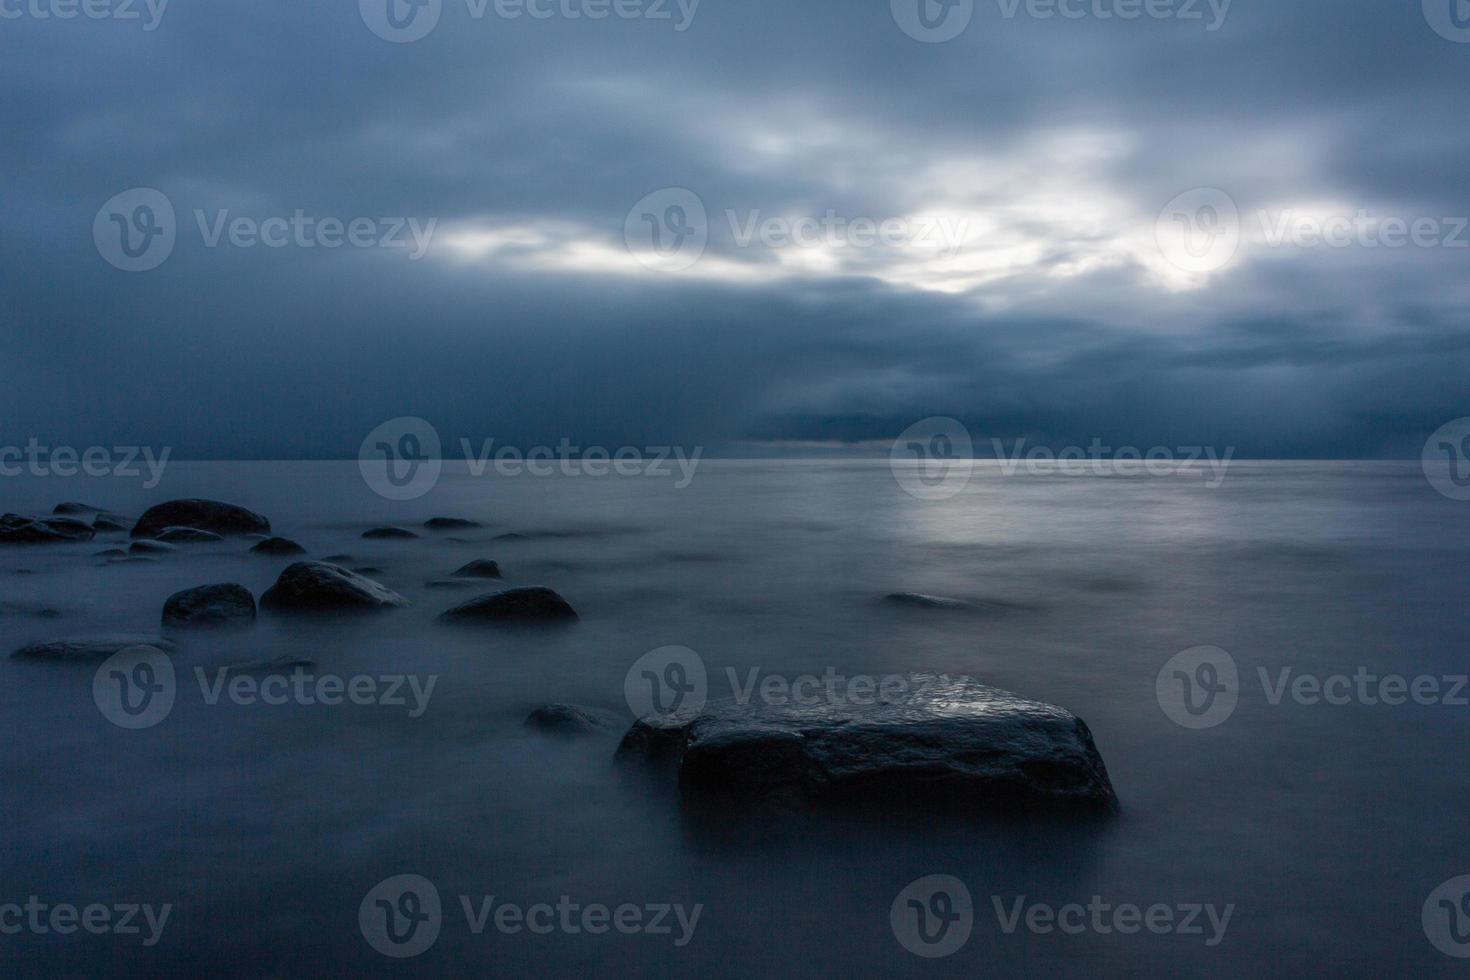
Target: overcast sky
[1032,281]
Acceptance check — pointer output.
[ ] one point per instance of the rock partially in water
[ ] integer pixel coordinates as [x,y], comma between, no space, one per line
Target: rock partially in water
[451,524]
[203,515]
[187,535]
[389,534]
[278,547]
[151,548]
[111,523]
[570,720]
[90,648]
[210,606]
[516,606]
[111,554]
[73,509]
[917,600]
[315,586]
[15,529]
[938,743]
[479,569]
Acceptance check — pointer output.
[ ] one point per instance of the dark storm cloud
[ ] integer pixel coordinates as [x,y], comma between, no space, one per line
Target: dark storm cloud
[528,141]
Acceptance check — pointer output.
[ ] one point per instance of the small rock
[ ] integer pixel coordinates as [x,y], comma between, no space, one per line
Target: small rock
[451,524]
[918,600]
[205,515]
[533,605]
[572,719]
[278,547]
[111,523]
[151,548]
[210,605]
[479,569]
[389,534]
[187,535]
[73,509]
[111,554]
[314,586]
[90,648]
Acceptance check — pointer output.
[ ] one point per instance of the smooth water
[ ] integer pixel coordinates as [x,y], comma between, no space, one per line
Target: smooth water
[1326,826]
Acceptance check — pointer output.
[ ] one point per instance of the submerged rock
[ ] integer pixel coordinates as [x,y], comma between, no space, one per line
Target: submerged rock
[937,743]
[572,719]
[314,586]
[111,554]
[187,535]
[203,515]
[918,600]
[72,509]
[529,606]
[15,529]
[283,547]
[479,569]
[451,524]
[210,605]
[151,548]
[389,534]
[90,648]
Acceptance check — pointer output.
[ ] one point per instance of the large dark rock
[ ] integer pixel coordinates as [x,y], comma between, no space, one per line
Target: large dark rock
[937,743]
[569,720]
[210,605]
[524,606]
[479,569]
[187,535]
[15,529]
[90,648]
[314,586]
[278,547]
[388,534]
[451,524]
[205,515]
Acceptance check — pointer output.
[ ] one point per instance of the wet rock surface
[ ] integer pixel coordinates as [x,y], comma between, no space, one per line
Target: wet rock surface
[203,515]
[226,605]
[314,586]
[537,605]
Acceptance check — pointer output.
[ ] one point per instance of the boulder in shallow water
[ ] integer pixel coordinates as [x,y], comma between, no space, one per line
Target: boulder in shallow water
[479,569]
[210,606]
[315,586]
[516,606]
[15,529]
[73,509]
[938,743]
[111,554]
[90,648]
[204,515]
[389,534]
[111,523]
[187,535]
[278,547]
[451,524]
[917,600]
[572,719]
[151,548]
